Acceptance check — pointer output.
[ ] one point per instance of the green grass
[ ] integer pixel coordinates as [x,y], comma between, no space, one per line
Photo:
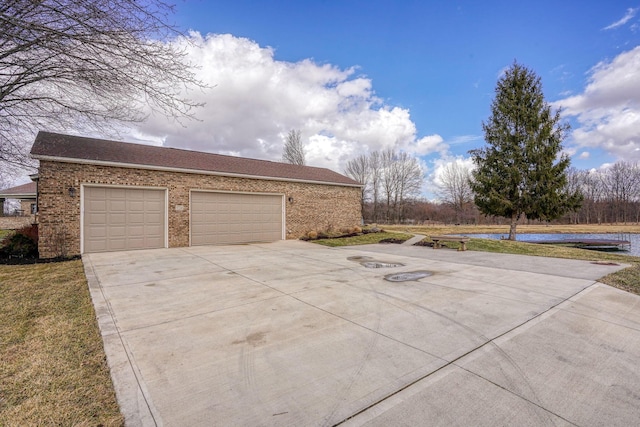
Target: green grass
[53,369]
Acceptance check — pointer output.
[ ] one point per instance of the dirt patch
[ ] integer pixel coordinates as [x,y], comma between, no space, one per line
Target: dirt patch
[392,240]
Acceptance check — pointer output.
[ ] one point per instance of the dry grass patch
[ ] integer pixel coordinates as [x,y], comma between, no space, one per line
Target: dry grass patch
[53,369]
[627,279]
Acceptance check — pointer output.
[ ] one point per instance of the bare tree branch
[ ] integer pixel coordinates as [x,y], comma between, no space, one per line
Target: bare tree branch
[293,151]
[359,170]
[87,64]
[454,187]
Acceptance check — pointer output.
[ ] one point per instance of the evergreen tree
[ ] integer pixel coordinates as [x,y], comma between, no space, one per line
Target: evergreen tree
[521,171]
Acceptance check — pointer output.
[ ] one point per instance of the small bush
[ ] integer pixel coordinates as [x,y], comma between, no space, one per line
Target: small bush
[19,246]
[356,229]
[30,231]
[312,235]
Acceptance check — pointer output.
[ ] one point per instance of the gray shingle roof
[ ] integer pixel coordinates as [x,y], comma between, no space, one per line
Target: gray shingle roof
[53,146]
[20,192]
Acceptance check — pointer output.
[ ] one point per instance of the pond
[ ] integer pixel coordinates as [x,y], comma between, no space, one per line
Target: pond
[634,238]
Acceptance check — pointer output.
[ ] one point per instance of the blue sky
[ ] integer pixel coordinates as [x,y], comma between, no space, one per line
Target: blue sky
[419,76]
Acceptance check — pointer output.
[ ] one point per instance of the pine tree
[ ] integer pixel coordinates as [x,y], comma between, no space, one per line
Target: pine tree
[521,171]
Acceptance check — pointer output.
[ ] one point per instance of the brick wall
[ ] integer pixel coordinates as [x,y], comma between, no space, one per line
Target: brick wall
[315,206]
[25,206]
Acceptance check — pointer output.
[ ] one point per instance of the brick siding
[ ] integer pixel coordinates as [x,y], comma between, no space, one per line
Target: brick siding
[315,207]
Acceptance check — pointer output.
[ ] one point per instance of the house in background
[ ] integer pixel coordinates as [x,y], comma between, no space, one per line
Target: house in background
[96,195]
[22,212]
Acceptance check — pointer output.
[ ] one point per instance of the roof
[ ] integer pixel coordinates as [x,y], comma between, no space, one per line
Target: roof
[76,149]
[24,191]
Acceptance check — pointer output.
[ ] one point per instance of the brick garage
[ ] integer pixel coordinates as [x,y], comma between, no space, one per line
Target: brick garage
[74,171]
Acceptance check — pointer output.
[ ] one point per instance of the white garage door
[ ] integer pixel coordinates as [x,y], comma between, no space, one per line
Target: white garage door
[117,219]
[225,218]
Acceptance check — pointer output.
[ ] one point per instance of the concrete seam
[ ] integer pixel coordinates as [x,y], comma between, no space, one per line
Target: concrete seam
[453,362]
[93,277]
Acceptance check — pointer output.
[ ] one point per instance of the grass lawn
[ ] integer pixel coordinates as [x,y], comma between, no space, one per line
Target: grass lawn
[627,279]
[53,369]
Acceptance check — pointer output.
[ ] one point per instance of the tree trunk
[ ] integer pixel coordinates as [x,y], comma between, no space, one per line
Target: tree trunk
[512,226]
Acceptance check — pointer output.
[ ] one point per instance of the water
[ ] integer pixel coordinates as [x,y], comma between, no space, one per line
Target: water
[634,238]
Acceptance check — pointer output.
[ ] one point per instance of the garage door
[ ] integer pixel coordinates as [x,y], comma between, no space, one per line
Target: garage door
[224,218]
[117,219]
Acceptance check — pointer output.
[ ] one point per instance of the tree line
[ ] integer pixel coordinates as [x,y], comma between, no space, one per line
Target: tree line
[610,195]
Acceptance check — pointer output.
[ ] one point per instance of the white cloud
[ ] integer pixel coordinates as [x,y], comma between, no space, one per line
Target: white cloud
[441,164]
[584,155]
[465,139]
[631,13]
[255,99]
[433,181]
[608,111]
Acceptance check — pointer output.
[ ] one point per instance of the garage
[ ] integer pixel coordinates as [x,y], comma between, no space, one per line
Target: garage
[117,218]
[95,195]
[227,218]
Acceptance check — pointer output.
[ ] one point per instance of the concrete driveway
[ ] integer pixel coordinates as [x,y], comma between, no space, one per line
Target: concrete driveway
[292,333]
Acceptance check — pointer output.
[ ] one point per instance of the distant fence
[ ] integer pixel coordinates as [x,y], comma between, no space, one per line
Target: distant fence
[16,222]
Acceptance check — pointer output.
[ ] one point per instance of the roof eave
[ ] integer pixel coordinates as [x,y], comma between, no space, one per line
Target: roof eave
[184,170]
[18,196]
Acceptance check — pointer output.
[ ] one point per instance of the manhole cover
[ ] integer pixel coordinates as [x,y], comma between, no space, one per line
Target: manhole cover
[407,276]
[378,264]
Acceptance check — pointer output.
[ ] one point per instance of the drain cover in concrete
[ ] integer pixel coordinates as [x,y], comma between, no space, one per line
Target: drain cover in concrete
[407,276]
[379,264]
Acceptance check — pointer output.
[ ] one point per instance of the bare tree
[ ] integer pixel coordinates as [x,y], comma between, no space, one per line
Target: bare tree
[86,64]
[358,169]
[395,177]
[592,187]
[621,183]
[454,186]
[293,151]
[401,180]
[375,173]
[389,182]
[410,179]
